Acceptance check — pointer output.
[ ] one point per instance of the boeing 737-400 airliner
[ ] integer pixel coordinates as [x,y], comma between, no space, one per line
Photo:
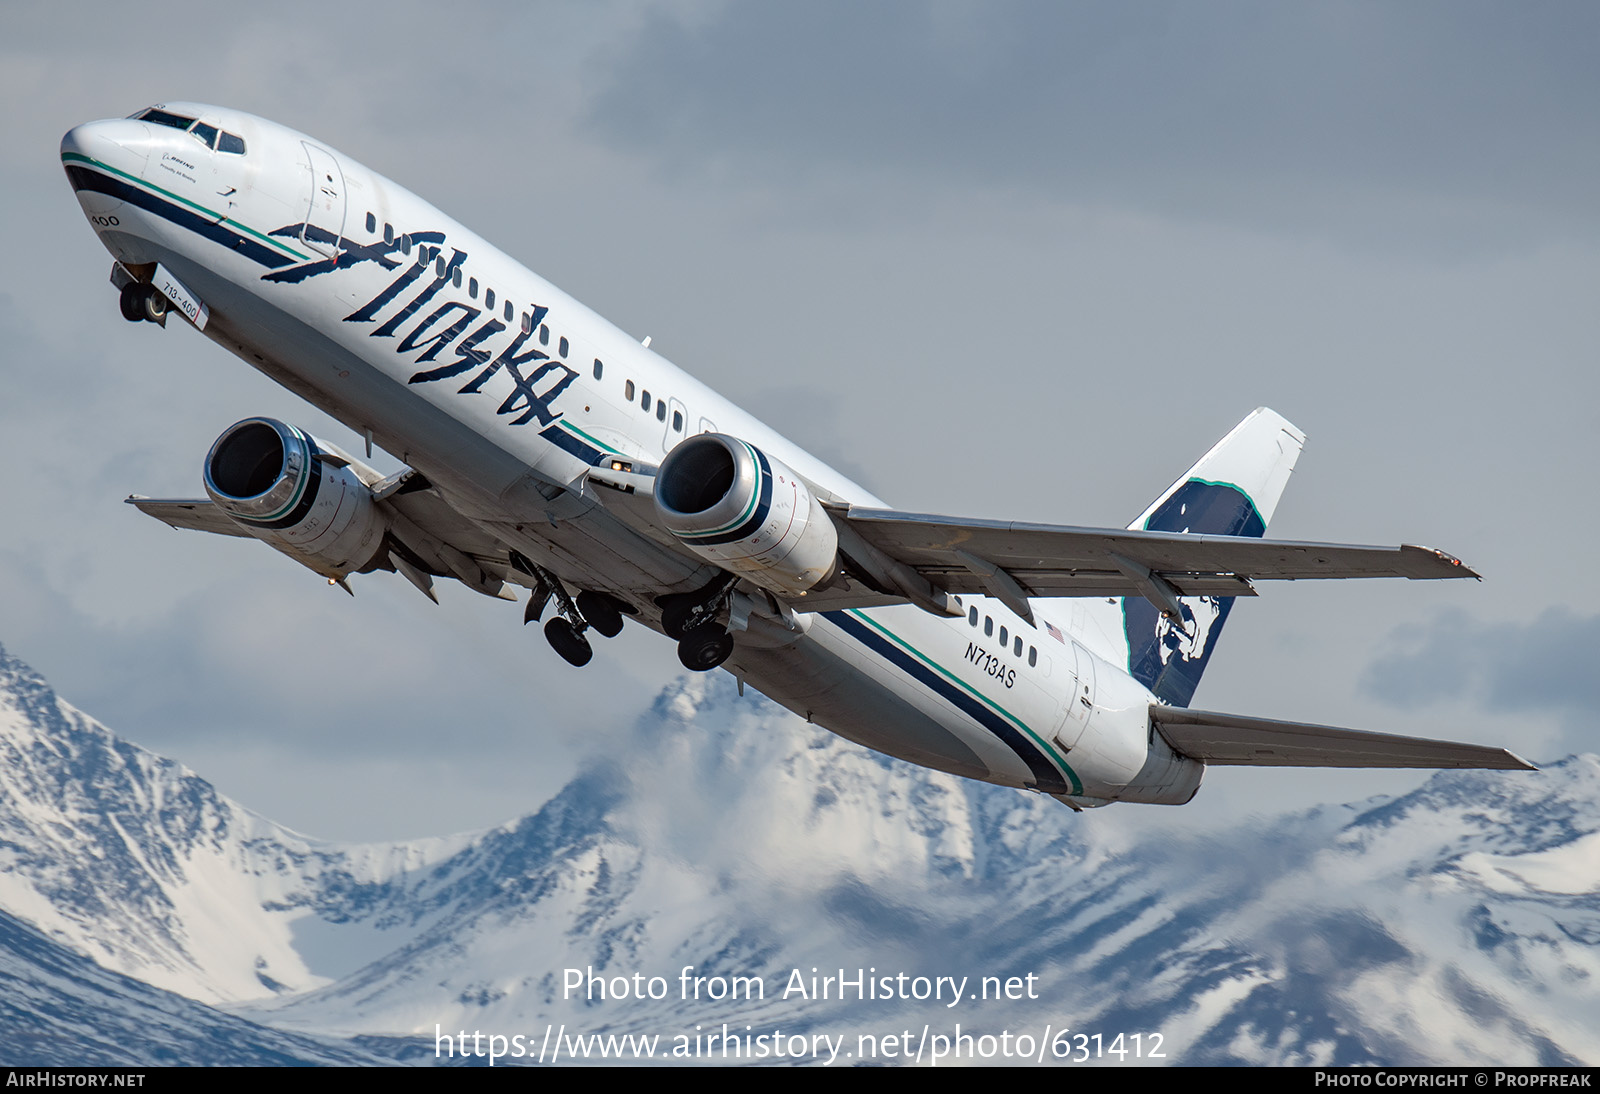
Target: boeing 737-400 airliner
[546,450]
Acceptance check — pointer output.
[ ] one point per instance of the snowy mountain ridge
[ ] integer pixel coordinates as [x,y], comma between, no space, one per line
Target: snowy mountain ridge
[1460,922]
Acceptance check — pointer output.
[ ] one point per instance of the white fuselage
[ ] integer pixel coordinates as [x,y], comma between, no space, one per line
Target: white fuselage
[504,392]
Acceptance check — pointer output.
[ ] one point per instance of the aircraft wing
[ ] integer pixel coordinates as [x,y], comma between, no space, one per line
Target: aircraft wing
[1012,561]
[426,537]
[1231,740]
[193,514]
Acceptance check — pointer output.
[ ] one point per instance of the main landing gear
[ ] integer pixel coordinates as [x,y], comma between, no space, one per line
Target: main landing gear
[566,638]
[566,632]
[705,647]
[691,618]
[140,303]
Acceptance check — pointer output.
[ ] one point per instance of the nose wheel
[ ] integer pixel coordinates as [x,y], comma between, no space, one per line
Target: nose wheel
[140,303]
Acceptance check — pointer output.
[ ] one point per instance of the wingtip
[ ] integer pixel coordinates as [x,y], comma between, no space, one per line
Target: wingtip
[1452,566]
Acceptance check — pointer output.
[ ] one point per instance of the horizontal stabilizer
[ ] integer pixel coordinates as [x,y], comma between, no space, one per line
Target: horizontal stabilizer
[1231,740]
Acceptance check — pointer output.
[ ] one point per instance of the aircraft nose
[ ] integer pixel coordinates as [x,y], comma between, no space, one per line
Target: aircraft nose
[118,144]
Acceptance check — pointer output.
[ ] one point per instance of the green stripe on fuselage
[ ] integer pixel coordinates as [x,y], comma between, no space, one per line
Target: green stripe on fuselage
[201,209]
[1052,754]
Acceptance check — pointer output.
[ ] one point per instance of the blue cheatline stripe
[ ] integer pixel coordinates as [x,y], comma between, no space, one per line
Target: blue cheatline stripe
[1046,776]
[562,439]
[84,179]
[745,527]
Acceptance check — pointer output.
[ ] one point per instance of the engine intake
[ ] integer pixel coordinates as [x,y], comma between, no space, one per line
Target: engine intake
[734,505]
[273,481]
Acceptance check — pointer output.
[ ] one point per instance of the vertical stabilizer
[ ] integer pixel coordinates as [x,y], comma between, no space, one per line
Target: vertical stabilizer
[1232,491]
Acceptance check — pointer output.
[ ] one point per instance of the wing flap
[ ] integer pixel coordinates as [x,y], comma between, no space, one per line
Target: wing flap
[1232,740]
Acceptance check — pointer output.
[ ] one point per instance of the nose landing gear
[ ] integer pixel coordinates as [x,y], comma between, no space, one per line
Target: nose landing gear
[141,303]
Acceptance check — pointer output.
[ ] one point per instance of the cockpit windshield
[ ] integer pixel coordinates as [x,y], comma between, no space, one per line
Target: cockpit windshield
[161,117]
[208,135]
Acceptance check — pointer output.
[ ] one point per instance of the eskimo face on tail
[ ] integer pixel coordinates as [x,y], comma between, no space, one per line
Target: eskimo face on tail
[1193,640]
[1164,657]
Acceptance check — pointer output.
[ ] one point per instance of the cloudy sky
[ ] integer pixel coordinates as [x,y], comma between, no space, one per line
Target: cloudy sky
[1006,260]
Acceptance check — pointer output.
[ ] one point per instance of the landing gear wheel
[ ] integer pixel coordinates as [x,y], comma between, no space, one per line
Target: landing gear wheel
[131,300]
[155,306]
[601,611]
[705,647]
[675,619]
[565,639]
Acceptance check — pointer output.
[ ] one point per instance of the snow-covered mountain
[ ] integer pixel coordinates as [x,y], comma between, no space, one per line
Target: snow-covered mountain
[139,863]
[59,1008]
[1456,923]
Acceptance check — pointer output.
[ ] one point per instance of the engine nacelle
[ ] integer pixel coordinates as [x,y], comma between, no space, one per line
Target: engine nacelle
[734,505]
[274,482]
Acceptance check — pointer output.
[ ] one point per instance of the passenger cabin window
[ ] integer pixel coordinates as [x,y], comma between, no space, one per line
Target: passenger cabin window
[562,350]
[509,311]
[388,234]
[1016,647]
[988,625]
[627,391]
[644,399]
[231,143]
[1033,657]
[488,299]
[677,421]
[455,277]
[972,615]
[372,223]
[472,289]
[405,245]
[544,335]
[1003,638]
[527,320]
[661,410]
[599,367]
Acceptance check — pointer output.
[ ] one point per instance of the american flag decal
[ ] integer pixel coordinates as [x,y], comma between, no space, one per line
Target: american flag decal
[1051,627]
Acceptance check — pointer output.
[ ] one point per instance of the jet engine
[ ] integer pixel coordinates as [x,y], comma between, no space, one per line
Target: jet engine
[739,508]
[277,484]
